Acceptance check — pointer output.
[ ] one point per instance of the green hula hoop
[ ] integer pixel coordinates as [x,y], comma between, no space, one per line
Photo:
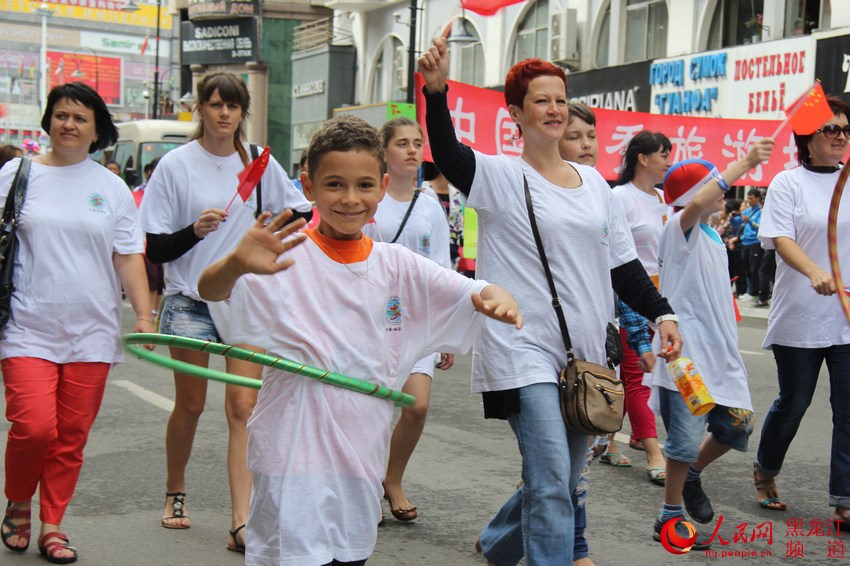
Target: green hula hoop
[131,342]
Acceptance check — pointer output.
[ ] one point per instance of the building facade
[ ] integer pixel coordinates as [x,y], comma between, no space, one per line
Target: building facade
[723,58]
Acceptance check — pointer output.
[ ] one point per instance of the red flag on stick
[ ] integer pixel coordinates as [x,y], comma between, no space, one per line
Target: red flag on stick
[487,7]
[144,46]
[810,111]
[250,177]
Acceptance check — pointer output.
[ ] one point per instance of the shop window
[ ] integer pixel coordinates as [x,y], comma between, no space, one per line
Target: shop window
[646,30]
[467,59]
[735,22]
[533,35]
[603,39]
[801,17]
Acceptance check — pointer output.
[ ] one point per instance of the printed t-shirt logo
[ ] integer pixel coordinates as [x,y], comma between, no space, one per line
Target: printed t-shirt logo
[604,240]
[425,245]
[96,202]
[393,313]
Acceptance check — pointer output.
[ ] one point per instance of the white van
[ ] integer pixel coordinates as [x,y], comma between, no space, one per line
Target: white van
[142,141]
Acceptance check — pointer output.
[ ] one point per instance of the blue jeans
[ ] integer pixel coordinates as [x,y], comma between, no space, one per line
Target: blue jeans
[184,316]
[537,520]
[797,370]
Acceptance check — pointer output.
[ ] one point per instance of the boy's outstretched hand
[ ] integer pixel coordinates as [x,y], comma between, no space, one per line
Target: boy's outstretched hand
[262,244]
[498,303]
[257,252]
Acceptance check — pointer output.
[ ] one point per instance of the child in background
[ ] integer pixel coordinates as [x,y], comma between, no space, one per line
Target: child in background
[693,273]
[369,310]
[418,223]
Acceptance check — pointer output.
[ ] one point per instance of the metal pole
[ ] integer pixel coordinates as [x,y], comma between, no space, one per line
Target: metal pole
[156,63]
[411,53]
[45,12]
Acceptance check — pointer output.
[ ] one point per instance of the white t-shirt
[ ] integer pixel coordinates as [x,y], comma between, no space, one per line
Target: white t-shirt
[318,451]
[584,236]
[185,183]
[645,216]
[695,280]
[67,301]
[797,207]
[426,231]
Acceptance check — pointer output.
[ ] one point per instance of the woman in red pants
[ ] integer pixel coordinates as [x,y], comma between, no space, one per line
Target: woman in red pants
[80,244]
[645,162]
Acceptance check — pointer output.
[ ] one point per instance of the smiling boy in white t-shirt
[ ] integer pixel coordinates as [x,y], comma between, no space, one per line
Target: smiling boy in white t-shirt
[334,299]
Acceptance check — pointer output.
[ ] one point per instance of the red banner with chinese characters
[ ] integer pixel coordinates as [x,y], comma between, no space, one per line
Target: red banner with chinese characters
[481,121]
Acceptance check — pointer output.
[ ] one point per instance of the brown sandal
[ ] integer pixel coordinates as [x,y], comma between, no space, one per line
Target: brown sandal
[23,530]
[50,549]
[768,485]
[402,514]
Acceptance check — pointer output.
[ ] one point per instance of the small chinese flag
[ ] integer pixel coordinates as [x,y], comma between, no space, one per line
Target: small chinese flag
[144,46]
[487,7]
[809,112]
[250,177]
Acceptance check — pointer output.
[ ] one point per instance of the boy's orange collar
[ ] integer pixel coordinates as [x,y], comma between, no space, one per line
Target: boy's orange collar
[342,251]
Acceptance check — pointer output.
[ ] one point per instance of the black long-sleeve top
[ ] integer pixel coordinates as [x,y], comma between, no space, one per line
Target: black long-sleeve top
[162,248]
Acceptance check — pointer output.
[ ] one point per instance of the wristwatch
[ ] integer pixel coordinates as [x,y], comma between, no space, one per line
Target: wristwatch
[665,318]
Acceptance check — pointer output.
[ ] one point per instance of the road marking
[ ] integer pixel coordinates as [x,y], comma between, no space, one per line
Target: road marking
[751,353]
[146,395]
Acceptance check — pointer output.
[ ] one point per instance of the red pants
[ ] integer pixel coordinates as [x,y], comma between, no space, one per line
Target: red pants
[637,394]
[52,408]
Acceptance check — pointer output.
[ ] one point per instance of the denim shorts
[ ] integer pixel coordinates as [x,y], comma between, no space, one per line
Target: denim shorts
[731,427]
[184,316]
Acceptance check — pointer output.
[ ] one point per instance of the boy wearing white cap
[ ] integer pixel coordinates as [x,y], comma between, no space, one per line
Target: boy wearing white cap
[693,274]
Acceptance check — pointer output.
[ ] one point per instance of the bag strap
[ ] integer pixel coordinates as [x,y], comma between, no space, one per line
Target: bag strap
[17,194]
[406,215]
[255,153]
[556,302]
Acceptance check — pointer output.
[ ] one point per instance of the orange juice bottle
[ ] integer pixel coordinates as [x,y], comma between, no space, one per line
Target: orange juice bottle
[691,386]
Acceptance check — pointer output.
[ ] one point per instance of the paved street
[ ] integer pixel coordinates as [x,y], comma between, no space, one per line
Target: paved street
[464,468]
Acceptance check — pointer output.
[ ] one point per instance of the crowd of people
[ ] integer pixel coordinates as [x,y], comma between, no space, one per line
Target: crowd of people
[662,252]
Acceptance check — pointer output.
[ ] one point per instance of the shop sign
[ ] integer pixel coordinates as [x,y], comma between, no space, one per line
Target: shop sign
[617,88]
[22,33]
[96,11]
[219,42]
[208,9]
[126,44]
[308,89]
[750,81]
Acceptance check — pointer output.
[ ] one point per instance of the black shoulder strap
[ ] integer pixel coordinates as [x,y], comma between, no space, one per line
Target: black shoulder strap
[255,153]
[406,215]
[556,302]
[17,194]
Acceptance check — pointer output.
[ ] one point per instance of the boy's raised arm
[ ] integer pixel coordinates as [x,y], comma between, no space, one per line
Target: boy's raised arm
[498,303]
[257,252]
[759,151]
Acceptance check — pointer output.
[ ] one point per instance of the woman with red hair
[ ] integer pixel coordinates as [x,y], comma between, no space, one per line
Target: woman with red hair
[589,250]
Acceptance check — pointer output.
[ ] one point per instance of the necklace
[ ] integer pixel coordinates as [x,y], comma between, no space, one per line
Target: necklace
[209,155]
[339,257]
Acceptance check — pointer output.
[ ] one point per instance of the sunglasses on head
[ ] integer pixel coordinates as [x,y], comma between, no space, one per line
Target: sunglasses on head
[832,131]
